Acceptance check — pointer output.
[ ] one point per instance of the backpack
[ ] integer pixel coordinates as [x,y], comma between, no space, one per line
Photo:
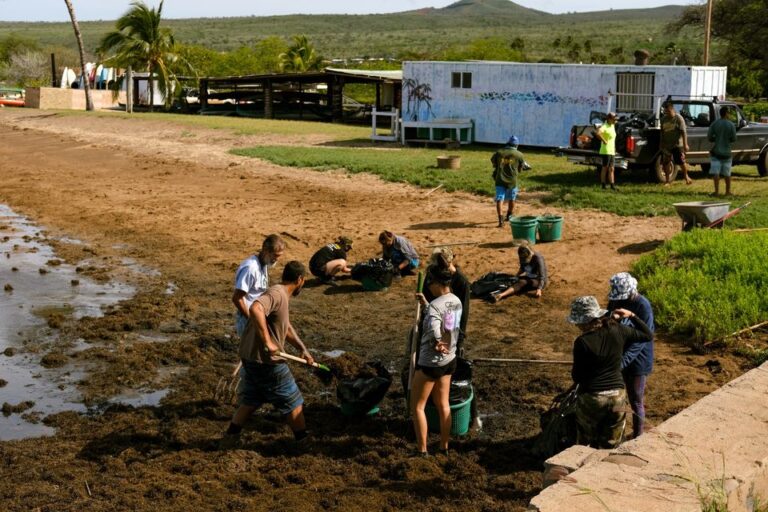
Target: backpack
[558,425]
[492,282]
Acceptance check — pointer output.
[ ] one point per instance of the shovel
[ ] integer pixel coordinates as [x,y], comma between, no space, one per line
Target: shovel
[413,343]
[226,389]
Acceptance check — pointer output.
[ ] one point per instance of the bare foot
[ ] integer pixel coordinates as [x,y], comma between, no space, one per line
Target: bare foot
[688,180]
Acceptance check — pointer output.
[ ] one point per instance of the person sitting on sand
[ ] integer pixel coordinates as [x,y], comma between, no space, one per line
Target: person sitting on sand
[436,357]
[400,252]
[532,276]
[331,260]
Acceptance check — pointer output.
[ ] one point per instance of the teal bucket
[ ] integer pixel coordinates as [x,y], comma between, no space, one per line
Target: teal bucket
[524,228]
[349,409]
[461,417]
[550,228]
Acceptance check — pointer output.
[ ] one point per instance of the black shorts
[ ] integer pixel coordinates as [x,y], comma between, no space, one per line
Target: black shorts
[435,372]
[676,155]
[607,160]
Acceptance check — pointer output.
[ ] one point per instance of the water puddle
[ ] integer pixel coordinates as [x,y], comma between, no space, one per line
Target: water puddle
[40,291]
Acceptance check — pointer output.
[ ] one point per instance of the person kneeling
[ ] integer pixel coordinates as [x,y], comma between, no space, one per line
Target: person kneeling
[331,260]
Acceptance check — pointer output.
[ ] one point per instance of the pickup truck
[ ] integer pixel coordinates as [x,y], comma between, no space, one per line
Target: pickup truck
[638,134]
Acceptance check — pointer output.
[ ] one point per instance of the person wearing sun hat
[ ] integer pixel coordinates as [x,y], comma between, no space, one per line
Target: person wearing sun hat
[637,361]
[331,259]
[597,354]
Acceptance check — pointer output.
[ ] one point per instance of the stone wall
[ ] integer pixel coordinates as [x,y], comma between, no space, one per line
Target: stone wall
[52,98]
[715,451]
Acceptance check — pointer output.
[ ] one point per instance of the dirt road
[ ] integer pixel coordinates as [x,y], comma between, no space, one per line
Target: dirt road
[176,201]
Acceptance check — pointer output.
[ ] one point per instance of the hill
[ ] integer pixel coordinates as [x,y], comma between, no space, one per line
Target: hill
[421,33]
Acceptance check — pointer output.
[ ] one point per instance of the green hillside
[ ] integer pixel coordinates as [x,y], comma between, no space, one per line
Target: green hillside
[424,33]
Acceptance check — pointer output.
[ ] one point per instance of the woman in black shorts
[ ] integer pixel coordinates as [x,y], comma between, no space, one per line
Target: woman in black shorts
[436,358]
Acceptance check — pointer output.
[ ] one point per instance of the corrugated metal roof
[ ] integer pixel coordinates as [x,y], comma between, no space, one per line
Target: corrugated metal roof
[396,74]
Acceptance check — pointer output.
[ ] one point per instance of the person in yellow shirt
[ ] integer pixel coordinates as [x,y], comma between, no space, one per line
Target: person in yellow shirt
[607,135]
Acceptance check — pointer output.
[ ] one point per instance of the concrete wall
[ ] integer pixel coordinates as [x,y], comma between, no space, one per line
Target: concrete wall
[537,102]
[52,98]
[716,450]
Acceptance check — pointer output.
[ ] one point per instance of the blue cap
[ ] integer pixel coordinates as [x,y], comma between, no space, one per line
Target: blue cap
[513,141]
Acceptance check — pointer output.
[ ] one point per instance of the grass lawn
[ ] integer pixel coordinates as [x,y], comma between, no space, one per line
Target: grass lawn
[566,184]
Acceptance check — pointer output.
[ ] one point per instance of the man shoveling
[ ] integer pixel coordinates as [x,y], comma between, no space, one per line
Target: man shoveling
[265,377]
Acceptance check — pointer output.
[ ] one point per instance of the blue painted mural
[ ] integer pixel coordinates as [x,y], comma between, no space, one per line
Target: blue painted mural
[542,98]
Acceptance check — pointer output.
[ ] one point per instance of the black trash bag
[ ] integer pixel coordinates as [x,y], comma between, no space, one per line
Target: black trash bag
[364,394]
[492,282]
[377,270]
[558,425]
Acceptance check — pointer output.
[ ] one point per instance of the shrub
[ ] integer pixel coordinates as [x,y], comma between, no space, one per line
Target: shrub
[706,284]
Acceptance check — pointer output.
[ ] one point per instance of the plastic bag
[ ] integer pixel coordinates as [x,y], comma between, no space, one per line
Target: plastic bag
[376,270]
[364,394]
[492,282]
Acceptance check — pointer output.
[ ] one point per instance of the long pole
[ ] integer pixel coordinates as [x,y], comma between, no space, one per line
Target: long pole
[707,32]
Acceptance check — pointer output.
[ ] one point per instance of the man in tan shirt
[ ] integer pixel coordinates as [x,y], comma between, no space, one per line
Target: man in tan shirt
[265,377]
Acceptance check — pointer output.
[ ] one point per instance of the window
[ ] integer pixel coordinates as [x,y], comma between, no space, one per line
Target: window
[634,92]
[461,80]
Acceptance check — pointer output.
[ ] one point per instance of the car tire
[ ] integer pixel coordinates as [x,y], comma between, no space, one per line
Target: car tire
[762,163]
[656,171]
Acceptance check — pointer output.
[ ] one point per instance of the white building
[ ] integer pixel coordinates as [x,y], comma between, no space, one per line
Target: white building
[540,102]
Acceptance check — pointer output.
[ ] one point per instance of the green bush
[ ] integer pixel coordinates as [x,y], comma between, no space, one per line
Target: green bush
[706,284]
[756,110]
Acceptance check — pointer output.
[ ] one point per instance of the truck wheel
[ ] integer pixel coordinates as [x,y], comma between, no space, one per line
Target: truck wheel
[656,171]
[762,163]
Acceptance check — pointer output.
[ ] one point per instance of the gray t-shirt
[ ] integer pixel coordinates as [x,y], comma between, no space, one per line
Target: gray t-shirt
[441,322]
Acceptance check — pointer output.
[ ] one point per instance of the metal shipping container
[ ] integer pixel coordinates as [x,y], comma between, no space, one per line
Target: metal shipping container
[540,102]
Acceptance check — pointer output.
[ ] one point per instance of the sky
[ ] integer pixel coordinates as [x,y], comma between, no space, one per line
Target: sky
[55,10]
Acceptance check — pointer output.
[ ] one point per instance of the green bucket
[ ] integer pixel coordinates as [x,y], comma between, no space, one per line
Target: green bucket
[524,227]
[351,409]
[461,417]
[550,228]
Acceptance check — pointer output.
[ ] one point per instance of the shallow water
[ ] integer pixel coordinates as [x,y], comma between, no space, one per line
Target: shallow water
[30,296]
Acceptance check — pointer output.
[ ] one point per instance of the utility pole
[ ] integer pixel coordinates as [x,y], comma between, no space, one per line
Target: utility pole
[707,31]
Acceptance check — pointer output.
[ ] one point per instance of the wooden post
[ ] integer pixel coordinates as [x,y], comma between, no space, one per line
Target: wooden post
[707,32]
[54,81]
[203,94]
[268,105]
[129,90]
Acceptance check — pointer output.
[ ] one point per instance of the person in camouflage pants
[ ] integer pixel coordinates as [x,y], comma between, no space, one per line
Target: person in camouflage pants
[601,404]
[601,418]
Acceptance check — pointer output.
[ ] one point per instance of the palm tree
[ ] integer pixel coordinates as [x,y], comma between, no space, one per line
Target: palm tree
[79,37]
[300,57]
[140,42]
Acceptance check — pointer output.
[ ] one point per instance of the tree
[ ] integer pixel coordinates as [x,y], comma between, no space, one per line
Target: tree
[81,49]
[740,24]
[300,56]
[25,69]
[140,42]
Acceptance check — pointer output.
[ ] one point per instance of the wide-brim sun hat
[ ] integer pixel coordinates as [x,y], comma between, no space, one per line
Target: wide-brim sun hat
[585,309]
[623,286]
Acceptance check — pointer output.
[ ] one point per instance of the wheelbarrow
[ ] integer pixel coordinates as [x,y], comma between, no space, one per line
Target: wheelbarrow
[705,214]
